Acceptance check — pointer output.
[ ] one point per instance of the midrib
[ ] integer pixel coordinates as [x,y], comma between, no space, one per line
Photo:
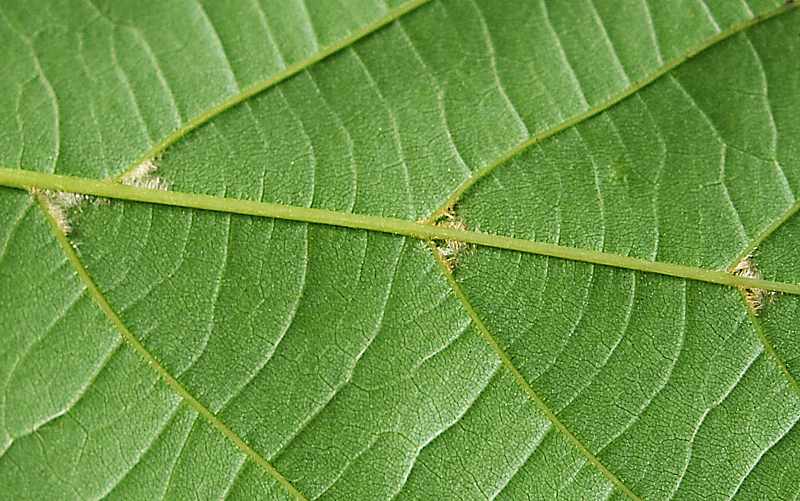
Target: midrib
[25,179]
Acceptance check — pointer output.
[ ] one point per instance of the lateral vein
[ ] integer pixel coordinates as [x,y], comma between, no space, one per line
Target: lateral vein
[607,104]
[261,86]
[101,301]
[526,387]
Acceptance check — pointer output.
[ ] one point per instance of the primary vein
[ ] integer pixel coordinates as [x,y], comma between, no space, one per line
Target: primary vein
[25,179]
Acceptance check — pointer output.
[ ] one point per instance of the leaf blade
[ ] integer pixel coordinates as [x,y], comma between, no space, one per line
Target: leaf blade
[419,427]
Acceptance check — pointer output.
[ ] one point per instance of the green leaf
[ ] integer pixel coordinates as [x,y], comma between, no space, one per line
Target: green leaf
[440,249]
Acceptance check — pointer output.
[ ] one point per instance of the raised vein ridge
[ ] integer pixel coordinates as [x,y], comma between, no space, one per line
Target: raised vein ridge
[25,179]
[101,301]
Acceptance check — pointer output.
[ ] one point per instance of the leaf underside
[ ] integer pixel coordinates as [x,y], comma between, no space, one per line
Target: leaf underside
[160,350]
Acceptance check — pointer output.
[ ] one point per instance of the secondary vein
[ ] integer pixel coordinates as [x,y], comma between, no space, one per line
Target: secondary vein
[526,387]
[769,348]
[261,86]
[25,179]
[635,87]
[761,333]
[101,301]
[768,232]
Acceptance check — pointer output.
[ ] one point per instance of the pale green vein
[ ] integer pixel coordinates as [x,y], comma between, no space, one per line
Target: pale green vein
[25,179]
[768,231]
[288,72]
[769,348]
[530,392]
[772,353]
[101,301]
[484,171]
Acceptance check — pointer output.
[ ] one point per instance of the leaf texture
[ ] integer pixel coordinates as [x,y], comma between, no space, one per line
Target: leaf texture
[171,348]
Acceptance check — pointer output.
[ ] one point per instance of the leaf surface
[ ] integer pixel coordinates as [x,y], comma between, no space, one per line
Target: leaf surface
[445,250]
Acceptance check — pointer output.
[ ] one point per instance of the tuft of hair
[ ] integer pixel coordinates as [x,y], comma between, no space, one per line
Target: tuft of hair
[756,298]
[143,176]
[59,204]
[450,250]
